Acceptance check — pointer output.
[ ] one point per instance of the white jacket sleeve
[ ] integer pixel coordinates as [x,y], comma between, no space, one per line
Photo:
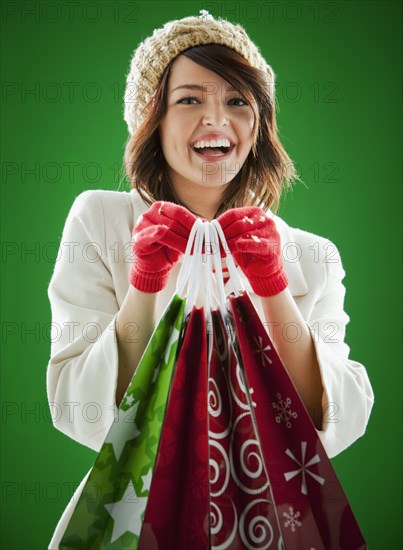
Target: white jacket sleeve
[82,371]
[348,396]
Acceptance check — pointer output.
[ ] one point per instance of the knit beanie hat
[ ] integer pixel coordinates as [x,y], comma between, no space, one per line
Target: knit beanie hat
[154,54]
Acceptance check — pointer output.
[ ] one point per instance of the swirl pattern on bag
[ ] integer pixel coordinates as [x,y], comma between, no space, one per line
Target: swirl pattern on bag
[242,514]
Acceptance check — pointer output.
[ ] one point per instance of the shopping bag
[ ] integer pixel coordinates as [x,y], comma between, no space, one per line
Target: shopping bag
[242,510]
[197,443]
[108,512]
[312,507]
[177,513]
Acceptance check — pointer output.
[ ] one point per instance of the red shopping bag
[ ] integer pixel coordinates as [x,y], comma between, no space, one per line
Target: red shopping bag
[311,505]
[177,513]
[242,510]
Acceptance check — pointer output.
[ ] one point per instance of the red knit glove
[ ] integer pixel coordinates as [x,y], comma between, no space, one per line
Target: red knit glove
[158,241]
[254,242]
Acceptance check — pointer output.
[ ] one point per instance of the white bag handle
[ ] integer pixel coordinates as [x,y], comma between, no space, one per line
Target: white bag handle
[191,267]
[235,278]
[218,277]
[197,268]
[186,266]
[208,294]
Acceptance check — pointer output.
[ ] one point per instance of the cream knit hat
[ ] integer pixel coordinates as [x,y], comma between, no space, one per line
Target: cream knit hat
[152,56]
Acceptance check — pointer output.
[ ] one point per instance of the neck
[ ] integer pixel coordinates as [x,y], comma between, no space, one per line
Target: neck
[202,201]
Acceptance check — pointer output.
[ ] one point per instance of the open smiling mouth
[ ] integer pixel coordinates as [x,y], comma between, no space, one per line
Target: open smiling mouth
[214,153]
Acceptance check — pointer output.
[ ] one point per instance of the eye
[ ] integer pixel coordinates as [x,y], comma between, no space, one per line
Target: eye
[239,99]
[195,98]
[185,98]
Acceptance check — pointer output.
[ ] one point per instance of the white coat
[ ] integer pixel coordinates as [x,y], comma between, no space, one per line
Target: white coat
[90,282]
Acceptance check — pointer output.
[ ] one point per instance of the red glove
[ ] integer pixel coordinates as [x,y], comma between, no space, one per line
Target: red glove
[254,242]
[158,241]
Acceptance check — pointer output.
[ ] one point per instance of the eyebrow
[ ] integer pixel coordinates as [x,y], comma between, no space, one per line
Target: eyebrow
[197,87]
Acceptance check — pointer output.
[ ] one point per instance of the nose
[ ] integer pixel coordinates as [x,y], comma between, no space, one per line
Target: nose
[214,115]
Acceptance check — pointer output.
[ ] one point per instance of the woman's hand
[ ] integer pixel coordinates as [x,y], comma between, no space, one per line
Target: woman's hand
[158,241]
[254,242]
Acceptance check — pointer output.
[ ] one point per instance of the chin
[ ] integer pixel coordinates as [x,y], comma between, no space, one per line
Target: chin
[212,181]
[223,174]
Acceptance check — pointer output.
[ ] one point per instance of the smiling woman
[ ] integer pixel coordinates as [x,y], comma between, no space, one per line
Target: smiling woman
[200,109]
[180,131]
[239,108]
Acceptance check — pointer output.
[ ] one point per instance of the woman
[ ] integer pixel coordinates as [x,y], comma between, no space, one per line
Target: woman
[200,108]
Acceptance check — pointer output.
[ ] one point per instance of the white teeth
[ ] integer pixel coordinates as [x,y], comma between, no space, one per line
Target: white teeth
[212,143]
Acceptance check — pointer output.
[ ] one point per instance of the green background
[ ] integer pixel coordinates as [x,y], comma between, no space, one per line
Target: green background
[338,67]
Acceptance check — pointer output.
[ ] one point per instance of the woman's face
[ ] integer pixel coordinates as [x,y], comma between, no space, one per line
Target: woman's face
[193,113]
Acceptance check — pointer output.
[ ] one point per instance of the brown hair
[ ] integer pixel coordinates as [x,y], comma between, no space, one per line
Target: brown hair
[266,171]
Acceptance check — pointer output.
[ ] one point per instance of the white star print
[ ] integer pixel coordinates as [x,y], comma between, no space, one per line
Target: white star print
[127,430]
[126,513]
[129,400]
[174,336]
[146,479]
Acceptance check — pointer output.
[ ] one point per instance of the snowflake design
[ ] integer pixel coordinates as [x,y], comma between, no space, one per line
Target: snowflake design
[303,468]
[284,410]
[292,519]
[262,350]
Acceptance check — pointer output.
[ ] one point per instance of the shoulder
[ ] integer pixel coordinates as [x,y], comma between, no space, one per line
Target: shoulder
[302,237]
[95,198]
[317,256]
[320,248]
[111,205]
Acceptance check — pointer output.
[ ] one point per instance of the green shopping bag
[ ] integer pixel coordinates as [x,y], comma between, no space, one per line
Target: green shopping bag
[115,494]
[110,510]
